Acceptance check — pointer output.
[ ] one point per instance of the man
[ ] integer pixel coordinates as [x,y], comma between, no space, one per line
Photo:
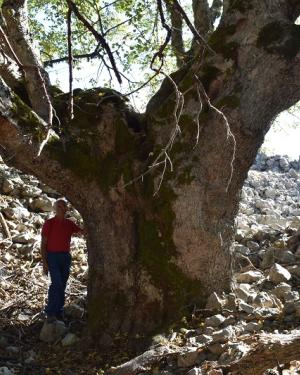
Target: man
[56,257]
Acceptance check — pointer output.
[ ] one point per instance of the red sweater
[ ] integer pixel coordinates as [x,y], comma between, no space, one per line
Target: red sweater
[59,233]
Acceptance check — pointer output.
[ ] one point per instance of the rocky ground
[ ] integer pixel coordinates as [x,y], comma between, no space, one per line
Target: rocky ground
[255,326]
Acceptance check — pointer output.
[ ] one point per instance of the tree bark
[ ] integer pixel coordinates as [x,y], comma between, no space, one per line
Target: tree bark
[161,244]
[177,39]
[36,78]
[266,352]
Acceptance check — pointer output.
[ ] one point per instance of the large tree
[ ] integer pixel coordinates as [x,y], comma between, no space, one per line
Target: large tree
[159,190]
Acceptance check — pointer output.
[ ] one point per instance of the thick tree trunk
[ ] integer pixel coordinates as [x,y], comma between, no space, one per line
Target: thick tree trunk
[157,249]
[152,257]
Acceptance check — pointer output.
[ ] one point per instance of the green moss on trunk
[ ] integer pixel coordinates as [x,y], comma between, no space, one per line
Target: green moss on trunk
[281,38]
[239,5]
[220,44]
[27,120]
[157,254]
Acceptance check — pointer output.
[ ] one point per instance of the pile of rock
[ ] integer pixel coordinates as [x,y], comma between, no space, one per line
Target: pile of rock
[270,199]
[275,163]
[25,203]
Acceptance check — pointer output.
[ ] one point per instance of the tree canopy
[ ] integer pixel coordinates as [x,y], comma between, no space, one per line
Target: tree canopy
[133,29]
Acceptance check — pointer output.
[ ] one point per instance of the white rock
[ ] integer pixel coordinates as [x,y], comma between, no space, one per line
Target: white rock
[281,289]
[6,371]
[214,321]
[214,302]
[234,352]
[241,249]
[188,358]
[24,238]
[7,186]
[46,189]
[69,339]
[17,213]
[263,300]
[270,193]
[43,204]
[194,371]
[215,372]
[51,332]
[249,276]
[252,327]
[279,274]
[246,308]
[31,191]
[291,296]
[223,334]
[243,291]
[74,311]
[204,339]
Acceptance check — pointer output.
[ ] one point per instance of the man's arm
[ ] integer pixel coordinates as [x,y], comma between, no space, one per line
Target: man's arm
[78,230]
[44,254]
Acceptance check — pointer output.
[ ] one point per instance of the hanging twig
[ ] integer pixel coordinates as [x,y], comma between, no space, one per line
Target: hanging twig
[70,62]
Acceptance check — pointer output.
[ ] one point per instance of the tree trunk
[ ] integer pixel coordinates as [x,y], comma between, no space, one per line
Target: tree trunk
[159,245]
[154,253]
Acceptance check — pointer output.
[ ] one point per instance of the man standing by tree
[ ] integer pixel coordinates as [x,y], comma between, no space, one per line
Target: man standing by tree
[56,257]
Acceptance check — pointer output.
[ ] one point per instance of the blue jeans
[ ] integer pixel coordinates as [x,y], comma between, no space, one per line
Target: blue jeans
[59,268]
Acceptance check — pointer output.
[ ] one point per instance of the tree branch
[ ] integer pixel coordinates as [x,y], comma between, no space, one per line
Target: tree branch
[92,55]
[265,352]
[99,38]
[160,53]
[216,10]
[16,34]
[176,35]
[197,36]
[202,17]
[21,132]
[9,70]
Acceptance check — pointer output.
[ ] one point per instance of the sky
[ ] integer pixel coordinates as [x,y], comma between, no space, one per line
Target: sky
[283,138]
